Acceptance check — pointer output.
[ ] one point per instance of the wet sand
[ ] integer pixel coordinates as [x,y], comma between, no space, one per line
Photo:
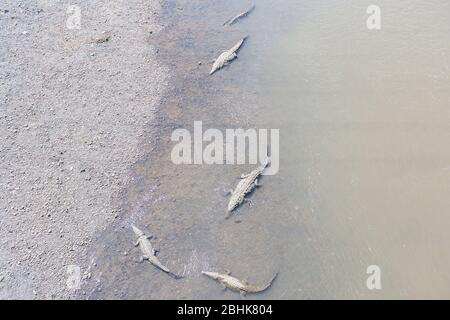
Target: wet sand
[184,206]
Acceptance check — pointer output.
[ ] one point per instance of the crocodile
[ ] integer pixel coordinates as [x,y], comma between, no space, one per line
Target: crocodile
[149,253]
[227,56]
[104,37]
[246,185]
[227,281]
[238,17]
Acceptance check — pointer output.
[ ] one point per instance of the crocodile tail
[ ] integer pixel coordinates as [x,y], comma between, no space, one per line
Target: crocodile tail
[265,164]
[174,275]
[250,10]
[159,265]
[228,214]
[170,273]
[227,23]
[239,44]
[231,21]
[268,285]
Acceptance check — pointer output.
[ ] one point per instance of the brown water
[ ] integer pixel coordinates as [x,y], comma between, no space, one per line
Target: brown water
[365,144]
[365,158]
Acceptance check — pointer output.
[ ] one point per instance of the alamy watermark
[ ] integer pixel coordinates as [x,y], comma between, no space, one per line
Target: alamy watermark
[74,17]
[374,20]
[73,281]
[373,282]
[234,146]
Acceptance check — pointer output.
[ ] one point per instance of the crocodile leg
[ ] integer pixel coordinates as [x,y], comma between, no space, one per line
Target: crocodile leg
[227,272]
[229,192]
[243,176]
[250,202]
[257,183]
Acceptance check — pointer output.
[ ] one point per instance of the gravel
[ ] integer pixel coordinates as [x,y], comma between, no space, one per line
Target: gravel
[72,117]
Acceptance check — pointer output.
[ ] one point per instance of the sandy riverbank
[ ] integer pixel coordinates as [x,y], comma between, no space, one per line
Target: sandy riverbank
[73,115]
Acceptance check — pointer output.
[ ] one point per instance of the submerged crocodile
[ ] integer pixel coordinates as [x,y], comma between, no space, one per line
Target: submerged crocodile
[238,17]
[149,253]
[227,281]
[227,56]
[246,185]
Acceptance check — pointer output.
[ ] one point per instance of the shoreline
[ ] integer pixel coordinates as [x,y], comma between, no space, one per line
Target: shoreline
[75,114]
[182,205]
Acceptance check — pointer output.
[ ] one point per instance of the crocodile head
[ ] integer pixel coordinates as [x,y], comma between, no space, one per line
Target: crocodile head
[234,202]
[213,275]
[138,232]
[231,206]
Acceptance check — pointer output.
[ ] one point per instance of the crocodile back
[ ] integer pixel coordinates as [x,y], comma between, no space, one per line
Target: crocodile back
[146,246]
[245,186]
[251,178]
[237,46]
[238,195]
[233,283]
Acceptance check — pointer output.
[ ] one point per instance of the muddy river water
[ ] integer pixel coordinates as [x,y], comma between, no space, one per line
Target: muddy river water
[364,155]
